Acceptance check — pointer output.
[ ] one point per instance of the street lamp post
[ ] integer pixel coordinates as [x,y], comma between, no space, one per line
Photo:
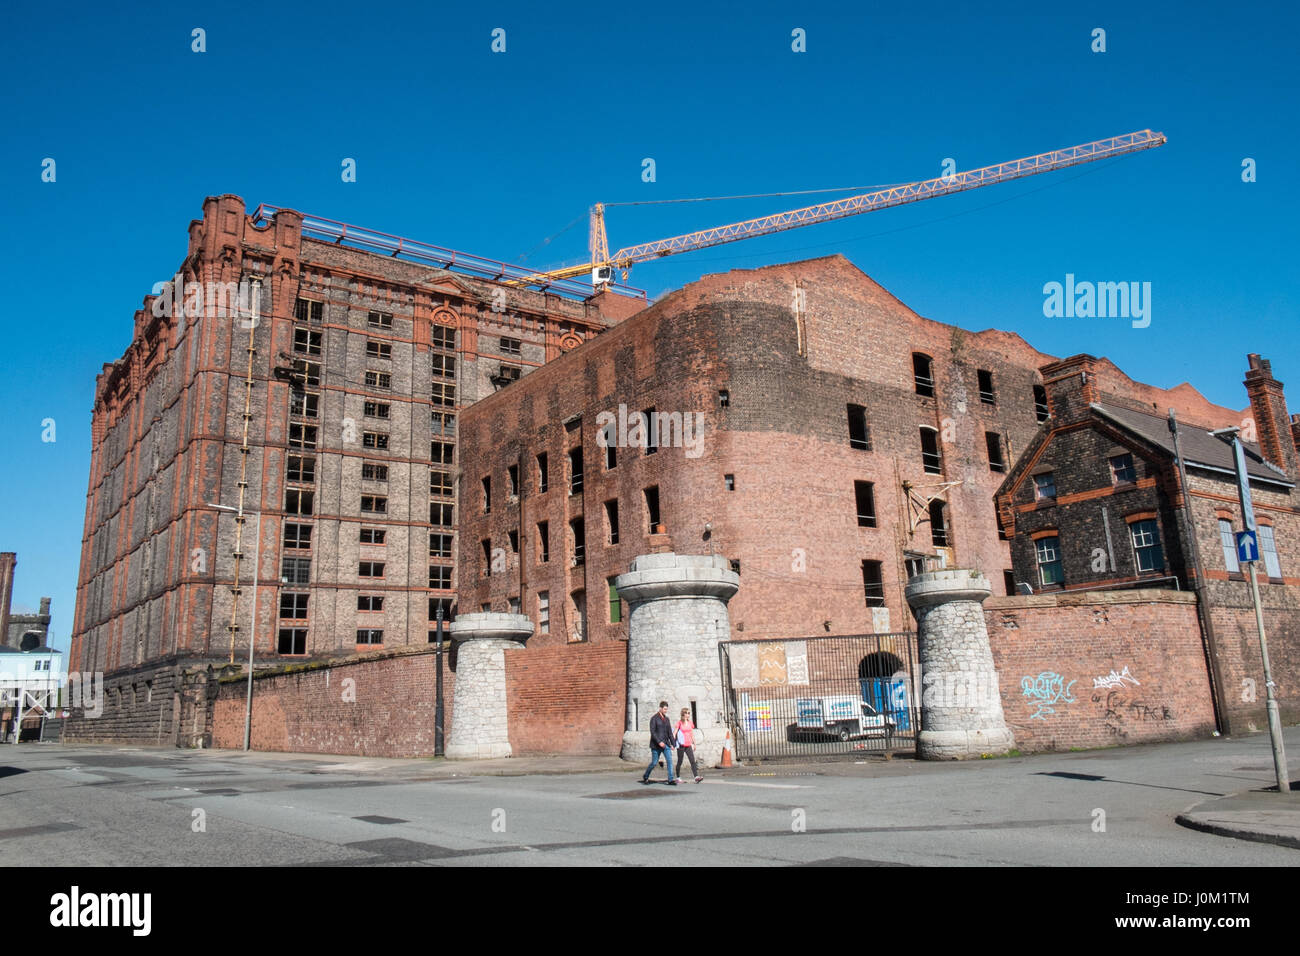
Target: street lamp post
[1248,523]
[252,620]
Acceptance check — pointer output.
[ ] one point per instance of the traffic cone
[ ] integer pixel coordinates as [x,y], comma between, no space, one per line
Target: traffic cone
[726,751]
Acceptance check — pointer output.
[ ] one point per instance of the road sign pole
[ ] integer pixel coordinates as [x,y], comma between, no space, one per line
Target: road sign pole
[1274,717]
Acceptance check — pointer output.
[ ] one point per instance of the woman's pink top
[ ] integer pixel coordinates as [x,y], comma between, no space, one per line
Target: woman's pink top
[685,726]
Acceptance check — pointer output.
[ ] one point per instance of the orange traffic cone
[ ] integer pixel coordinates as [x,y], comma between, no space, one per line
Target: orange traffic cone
[726,751]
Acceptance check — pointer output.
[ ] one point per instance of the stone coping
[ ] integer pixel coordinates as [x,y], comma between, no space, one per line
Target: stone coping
[1082,598]
[946,584]
[487,625]
[669,575]
[302,667]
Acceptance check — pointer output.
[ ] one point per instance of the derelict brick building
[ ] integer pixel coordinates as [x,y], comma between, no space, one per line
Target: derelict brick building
[1098,501]
[363,348]
[843,441]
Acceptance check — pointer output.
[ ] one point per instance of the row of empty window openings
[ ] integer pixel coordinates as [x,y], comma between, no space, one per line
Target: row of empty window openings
[298,537]
[578,533]
[292,641]
[864,494]
[923,375]
[931,456]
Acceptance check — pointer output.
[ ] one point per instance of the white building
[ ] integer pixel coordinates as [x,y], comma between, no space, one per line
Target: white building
[29,685]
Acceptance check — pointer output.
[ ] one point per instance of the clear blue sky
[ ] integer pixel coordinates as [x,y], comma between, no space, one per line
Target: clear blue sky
[496,153]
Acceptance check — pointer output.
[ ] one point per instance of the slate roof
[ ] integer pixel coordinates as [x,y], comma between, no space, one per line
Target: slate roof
[1199,447]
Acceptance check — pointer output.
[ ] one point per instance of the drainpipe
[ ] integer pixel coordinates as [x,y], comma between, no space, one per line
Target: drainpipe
[1208,642]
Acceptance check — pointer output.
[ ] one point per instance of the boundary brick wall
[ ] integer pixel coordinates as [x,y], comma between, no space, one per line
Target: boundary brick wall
[300,708]
[1084,638]
[157,704]
[567,699]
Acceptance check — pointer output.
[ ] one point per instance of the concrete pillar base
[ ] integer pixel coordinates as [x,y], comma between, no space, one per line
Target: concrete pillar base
[961,707]
[677,613]
[964,744]
[480,727]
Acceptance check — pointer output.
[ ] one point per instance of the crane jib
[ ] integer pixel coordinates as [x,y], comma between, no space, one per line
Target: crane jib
[893,196]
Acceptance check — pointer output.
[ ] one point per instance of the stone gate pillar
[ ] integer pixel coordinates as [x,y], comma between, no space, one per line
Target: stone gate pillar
[677,614]
[961,704]
[479,721]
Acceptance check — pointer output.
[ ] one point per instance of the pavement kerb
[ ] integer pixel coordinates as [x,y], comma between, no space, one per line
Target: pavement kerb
[1254,816]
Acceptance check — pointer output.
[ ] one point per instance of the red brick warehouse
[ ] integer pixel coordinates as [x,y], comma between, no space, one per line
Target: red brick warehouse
[354,471]
[844,440]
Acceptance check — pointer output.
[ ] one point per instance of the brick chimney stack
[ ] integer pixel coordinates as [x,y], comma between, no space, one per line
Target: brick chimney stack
[8,562]
[1071,386]
[1273,425]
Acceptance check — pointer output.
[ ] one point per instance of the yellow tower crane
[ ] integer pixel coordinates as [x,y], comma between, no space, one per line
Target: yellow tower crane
[603,264]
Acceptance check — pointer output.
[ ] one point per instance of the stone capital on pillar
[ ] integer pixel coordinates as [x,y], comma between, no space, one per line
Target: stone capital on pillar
[677,614]
[961,704]
[480,727]
[490,625]
[656,577]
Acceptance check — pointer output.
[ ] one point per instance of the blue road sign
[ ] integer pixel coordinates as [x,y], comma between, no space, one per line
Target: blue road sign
[1247,546]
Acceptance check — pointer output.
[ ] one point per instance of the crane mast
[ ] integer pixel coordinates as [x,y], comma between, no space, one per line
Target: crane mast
[603,264]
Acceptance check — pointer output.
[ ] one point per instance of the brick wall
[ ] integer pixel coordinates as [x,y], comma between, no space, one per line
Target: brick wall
[567,699]
[159,704]
[1055,656]
[562,699]
[306,707]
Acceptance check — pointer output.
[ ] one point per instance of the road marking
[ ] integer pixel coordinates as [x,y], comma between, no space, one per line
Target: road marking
[772,786]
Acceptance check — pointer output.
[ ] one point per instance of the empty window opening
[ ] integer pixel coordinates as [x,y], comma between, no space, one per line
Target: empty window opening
[873,584]
[993,442]
[611,519]
[865,494]
[859,430]
[922,371]
[1040,404]
[930,457]
[575,471]
[652,510]
[578,530]
[938,524]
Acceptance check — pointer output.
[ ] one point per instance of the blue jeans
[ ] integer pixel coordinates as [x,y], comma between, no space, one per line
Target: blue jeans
[655,753]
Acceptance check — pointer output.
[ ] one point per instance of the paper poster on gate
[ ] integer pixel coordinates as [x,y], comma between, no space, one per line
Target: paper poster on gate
[758,717]
[796,662]
[771,662]
[744,664]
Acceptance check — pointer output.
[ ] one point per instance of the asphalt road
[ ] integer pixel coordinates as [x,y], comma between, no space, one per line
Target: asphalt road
[110,806]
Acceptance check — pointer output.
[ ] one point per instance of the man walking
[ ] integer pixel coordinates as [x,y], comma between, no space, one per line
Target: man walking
[661,743]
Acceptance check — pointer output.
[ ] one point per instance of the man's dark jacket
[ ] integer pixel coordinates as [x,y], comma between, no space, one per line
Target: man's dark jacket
[661,731]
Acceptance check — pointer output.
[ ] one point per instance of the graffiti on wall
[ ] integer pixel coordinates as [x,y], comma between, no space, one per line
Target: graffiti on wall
[1111,680]
[1045,690]
[1120,712]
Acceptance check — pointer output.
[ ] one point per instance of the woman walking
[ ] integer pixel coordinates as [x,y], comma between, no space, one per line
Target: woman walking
[685,731]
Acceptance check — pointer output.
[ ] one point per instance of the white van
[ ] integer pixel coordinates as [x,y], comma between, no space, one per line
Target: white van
[845,717]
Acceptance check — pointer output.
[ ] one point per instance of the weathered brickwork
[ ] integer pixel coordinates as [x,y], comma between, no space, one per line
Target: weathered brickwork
[390,350]
[1096,669]
[1087,522]
[567,699]
[164,702]
[773,483]
[373,705]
